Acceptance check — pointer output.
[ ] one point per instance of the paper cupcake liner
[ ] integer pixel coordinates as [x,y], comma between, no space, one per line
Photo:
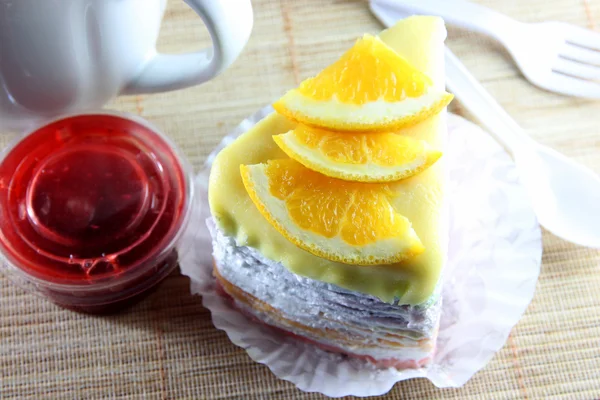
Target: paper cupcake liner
[493,265]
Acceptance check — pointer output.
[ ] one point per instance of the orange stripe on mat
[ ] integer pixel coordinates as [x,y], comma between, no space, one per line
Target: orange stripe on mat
[138,104]
[517,365]
[287,26]
[589,15]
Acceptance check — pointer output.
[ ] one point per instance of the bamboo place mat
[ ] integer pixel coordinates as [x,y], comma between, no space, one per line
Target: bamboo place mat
[167,348]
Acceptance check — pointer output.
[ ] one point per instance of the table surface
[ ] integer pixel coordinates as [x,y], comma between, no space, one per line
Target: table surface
[167,348]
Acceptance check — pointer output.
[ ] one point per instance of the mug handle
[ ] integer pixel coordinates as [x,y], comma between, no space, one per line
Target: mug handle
[229,23]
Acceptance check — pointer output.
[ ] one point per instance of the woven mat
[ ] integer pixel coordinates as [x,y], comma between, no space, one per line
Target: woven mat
[166,346]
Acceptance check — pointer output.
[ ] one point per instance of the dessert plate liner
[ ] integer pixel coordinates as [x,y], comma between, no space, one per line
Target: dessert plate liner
[493,264]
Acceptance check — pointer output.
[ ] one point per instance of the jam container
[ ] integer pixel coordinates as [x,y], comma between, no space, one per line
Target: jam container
[93,209]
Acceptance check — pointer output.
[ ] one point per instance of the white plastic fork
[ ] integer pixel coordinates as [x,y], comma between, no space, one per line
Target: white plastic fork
[555,56]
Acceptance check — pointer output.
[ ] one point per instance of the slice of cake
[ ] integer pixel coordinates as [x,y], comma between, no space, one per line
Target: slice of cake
[329,216]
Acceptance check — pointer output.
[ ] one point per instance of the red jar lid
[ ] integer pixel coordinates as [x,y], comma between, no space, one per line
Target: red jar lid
[91,201]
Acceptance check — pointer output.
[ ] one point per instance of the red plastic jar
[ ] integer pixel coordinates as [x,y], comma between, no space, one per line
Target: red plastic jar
[92,210]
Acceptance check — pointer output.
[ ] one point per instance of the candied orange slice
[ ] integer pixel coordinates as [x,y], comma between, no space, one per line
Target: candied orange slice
[348,222]
[363,157]
[371,88]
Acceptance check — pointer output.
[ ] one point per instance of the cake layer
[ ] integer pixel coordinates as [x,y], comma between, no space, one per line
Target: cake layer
[420,198]
[352,322]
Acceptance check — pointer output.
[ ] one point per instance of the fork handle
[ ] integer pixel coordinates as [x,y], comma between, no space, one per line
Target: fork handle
[458,12]
[482,105]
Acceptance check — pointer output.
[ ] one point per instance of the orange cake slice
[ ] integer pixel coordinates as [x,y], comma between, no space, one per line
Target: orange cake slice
[330,220]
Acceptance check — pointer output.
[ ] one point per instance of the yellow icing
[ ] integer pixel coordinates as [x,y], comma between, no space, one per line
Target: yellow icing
[421,198]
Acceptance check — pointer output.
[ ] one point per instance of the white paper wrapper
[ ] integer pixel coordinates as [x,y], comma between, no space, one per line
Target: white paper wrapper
[494,262]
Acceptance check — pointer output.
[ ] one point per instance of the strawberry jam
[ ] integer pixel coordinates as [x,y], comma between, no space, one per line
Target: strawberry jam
[91,207]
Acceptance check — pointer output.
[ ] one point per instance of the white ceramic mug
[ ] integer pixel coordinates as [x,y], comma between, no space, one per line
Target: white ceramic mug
[59,56]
